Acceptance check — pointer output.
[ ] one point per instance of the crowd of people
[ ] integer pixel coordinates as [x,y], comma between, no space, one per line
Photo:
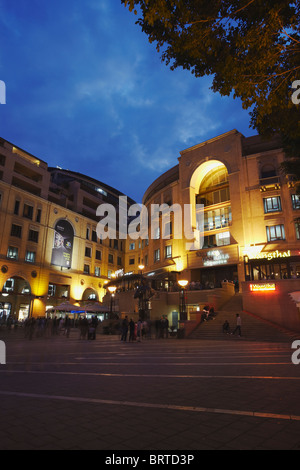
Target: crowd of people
[143,329]
[47,327]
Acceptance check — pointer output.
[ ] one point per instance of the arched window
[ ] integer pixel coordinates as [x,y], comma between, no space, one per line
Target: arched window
[268,171]
[214,188]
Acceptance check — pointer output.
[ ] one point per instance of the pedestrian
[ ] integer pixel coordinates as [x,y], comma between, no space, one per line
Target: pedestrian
[131,330]
[124,329]
[226,327]
[67,326]
[238,325]
[139,330]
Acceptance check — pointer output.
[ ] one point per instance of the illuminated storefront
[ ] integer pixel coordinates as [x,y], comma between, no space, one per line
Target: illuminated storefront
[275,265]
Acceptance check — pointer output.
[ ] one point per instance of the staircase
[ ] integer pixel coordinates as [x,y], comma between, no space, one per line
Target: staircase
[253,328]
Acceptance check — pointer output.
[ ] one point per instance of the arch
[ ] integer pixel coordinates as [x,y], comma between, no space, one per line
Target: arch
[90,294]
[16,285]
[268,170]
[203,169]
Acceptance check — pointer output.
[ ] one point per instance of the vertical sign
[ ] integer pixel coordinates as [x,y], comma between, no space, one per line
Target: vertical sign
[63,244]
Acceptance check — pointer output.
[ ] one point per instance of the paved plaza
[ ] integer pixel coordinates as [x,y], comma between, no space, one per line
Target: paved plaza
[158,395]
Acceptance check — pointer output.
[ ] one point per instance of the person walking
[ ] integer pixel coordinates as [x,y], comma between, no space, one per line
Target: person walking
[238,325]
[124,329]
[131,330]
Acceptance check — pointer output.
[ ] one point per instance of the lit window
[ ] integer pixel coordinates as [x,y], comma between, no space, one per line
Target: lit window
[272,204]
[97,271]
[296,201]
[156,255]
[276,232]
[168,251]
[297,226]
[12,252]
[30,257]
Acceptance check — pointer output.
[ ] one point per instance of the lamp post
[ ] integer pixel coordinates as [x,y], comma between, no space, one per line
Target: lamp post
[112,290]
[182,305]
[142,296]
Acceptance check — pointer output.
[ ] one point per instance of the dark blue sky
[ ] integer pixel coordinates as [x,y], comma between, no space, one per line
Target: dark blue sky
[86,91]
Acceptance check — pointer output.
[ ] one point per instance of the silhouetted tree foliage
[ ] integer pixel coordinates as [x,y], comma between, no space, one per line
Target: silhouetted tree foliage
[251,48]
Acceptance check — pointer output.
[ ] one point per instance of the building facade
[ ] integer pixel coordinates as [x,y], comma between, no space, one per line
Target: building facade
[50,251]
[249,218]
[230,189]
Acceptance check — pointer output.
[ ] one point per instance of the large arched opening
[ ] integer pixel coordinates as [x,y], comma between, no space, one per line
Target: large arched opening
[16,299]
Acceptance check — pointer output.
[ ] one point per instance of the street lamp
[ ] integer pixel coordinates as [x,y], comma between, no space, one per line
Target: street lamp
[142,294]
[112,290]
[182,306]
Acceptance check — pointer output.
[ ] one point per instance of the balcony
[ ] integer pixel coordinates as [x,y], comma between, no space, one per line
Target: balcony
[270,183]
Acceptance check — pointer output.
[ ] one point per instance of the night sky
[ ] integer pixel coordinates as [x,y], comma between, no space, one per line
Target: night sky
[86,91]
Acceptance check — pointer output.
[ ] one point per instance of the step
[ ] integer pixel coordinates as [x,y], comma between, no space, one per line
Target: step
[253,329]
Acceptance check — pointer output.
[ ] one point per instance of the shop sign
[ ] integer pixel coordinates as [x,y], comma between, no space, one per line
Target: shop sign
[268,287]
[272,255]
[215,258]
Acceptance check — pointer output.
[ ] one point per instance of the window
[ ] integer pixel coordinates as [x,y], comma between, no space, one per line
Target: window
[157,233]
[296,201]
[132,246]
[119,261]
[111,258]
[214,188]
[97,271]
[220,239]
[86,269]
[297,226]
[168,251]
[33,236]
[16,231]
[39,215]
[88,252]
[28,211]
[17,207]
[216,219]
[87,233]
[12,252]
[98,255]
[168,230]
[276,232]
[156,255]
[131,261]
[30,257]
[272,204]
[94,236]
[51,290]
[268,171]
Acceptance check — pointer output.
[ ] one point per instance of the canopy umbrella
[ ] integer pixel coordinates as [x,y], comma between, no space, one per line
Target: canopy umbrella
[95,307]
[67,307]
